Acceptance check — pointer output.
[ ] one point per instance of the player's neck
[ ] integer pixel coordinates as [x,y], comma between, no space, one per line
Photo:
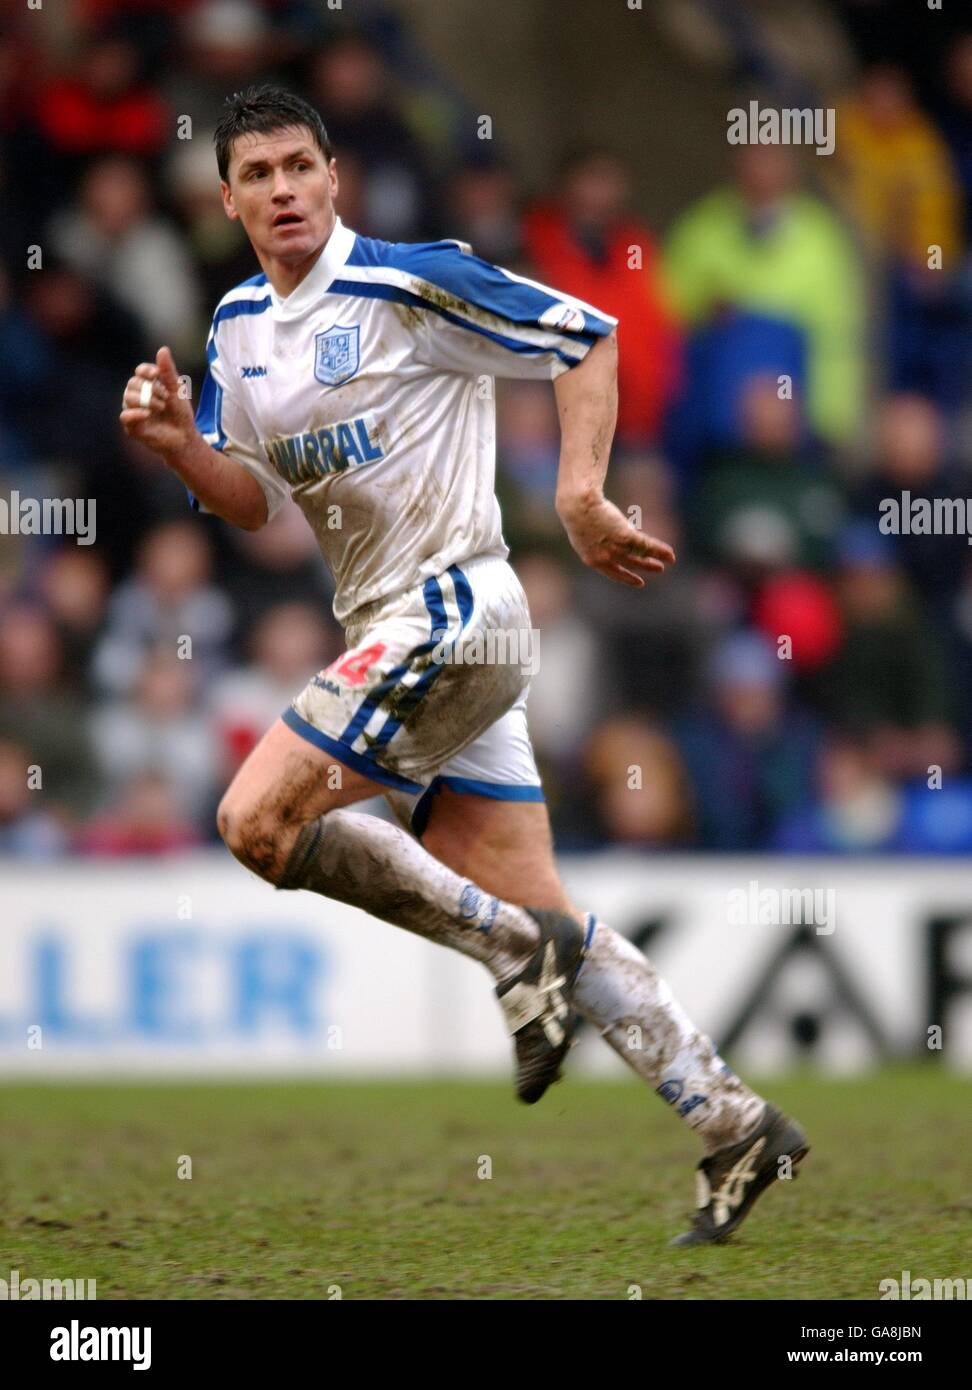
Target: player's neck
[285,276]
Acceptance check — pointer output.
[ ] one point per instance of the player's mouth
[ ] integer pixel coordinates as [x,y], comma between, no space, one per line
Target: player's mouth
[288,219]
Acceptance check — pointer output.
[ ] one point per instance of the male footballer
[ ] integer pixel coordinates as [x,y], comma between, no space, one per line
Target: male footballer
[349,374]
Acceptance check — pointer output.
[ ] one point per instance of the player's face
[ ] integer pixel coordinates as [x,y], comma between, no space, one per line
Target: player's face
[282,189]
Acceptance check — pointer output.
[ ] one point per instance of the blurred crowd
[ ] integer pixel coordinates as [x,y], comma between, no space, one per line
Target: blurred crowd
[794,348]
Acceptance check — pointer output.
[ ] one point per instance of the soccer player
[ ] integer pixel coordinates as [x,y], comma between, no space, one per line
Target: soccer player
[355,376]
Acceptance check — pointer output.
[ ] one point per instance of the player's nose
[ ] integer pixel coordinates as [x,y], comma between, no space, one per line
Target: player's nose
[281,190]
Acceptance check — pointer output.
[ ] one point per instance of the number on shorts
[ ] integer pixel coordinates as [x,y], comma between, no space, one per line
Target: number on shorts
[354,667]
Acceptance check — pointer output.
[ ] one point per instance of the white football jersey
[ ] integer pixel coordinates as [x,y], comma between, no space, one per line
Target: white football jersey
[367,394]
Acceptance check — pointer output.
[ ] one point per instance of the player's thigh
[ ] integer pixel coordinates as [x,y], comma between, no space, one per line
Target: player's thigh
[285,782]
[505,847]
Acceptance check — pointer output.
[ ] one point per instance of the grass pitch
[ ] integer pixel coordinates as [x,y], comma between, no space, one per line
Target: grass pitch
[300,1187]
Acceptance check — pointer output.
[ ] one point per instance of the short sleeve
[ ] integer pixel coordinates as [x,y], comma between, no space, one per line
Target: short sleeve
[480,317]
[224,425]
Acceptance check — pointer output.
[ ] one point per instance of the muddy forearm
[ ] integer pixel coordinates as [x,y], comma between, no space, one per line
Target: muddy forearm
[587,402]
[221,485]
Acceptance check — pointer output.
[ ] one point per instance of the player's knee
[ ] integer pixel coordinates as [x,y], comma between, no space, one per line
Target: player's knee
[228,824]
[252,838]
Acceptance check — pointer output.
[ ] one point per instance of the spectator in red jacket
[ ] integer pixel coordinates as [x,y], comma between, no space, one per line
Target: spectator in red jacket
[589,244]
[103,106]
[144,819]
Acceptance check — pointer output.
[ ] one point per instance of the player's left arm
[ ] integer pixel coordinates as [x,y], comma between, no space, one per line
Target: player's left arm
[482,318]
[604,538]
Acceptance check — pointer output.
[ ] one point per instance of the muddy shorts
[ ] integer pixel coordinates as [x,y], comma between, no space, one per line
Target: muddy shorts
[432,692]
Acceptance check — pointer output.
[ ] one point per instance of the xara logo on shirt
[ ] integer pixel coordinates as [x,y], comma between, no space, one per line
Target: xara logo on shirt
[299,458]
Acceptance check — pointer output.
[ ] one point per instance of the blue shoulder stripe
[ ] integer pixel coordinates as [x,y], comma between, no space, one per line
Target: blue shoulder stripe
[232,311]
[473,280]
[364,289]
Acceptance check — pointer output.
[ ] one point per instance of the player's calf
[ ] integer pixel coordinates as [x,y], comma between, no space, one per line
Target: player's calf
[534,956]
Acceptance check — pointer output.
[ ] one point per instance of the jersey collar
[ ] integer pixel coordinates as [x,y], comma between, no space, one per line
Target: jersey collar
[335,253]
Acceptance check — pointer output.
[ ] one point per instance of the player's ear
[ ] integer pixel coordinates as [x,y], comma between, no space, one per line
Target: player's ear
[228,207]
[333,177]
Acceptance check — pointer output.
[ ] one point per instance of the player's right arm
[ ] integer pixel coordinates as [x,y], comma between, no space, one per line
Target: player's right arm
[167,426]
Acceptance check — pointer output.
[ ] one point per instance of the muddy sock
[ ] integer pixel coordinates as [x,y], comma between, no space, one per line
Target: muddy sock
[367,862]
[620,991]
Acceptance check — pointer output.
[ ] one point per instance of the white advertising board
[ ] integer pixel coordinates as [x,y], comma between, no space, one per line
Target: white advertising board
[191,966]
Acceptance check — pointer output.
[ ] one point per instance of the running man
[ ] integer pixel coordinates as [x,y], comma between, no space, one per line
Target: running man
[355,376]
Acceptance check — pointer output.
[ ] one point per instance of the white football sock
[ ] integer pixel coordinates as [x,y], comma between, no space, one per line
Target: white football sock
[367,862]
[620,991]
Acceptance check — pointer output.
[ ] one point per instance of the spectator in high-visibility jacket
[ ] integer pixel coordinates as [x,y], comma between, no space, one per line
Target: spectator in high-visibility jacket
[765,246]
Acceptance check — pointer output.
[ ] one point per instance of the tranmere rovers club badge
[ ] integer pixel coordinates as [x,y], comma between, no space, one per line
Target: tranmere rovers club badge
[336,355]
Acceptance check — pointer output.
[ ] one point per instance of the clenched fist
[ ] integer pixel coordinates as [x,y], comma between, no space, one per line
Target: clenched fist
[166,423]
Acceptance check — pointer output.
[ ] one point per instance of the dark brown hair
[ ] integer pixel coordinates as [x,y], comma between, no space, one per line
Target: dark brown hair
[259,110]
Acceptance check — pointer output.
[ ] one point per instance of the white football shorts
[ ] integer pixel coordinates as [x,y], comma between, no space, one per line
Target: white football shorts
[432,692]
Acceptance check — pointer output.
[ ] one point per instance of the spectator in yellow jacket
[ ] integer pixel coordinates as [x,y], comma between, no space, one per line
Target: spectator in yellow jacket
[892,170]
